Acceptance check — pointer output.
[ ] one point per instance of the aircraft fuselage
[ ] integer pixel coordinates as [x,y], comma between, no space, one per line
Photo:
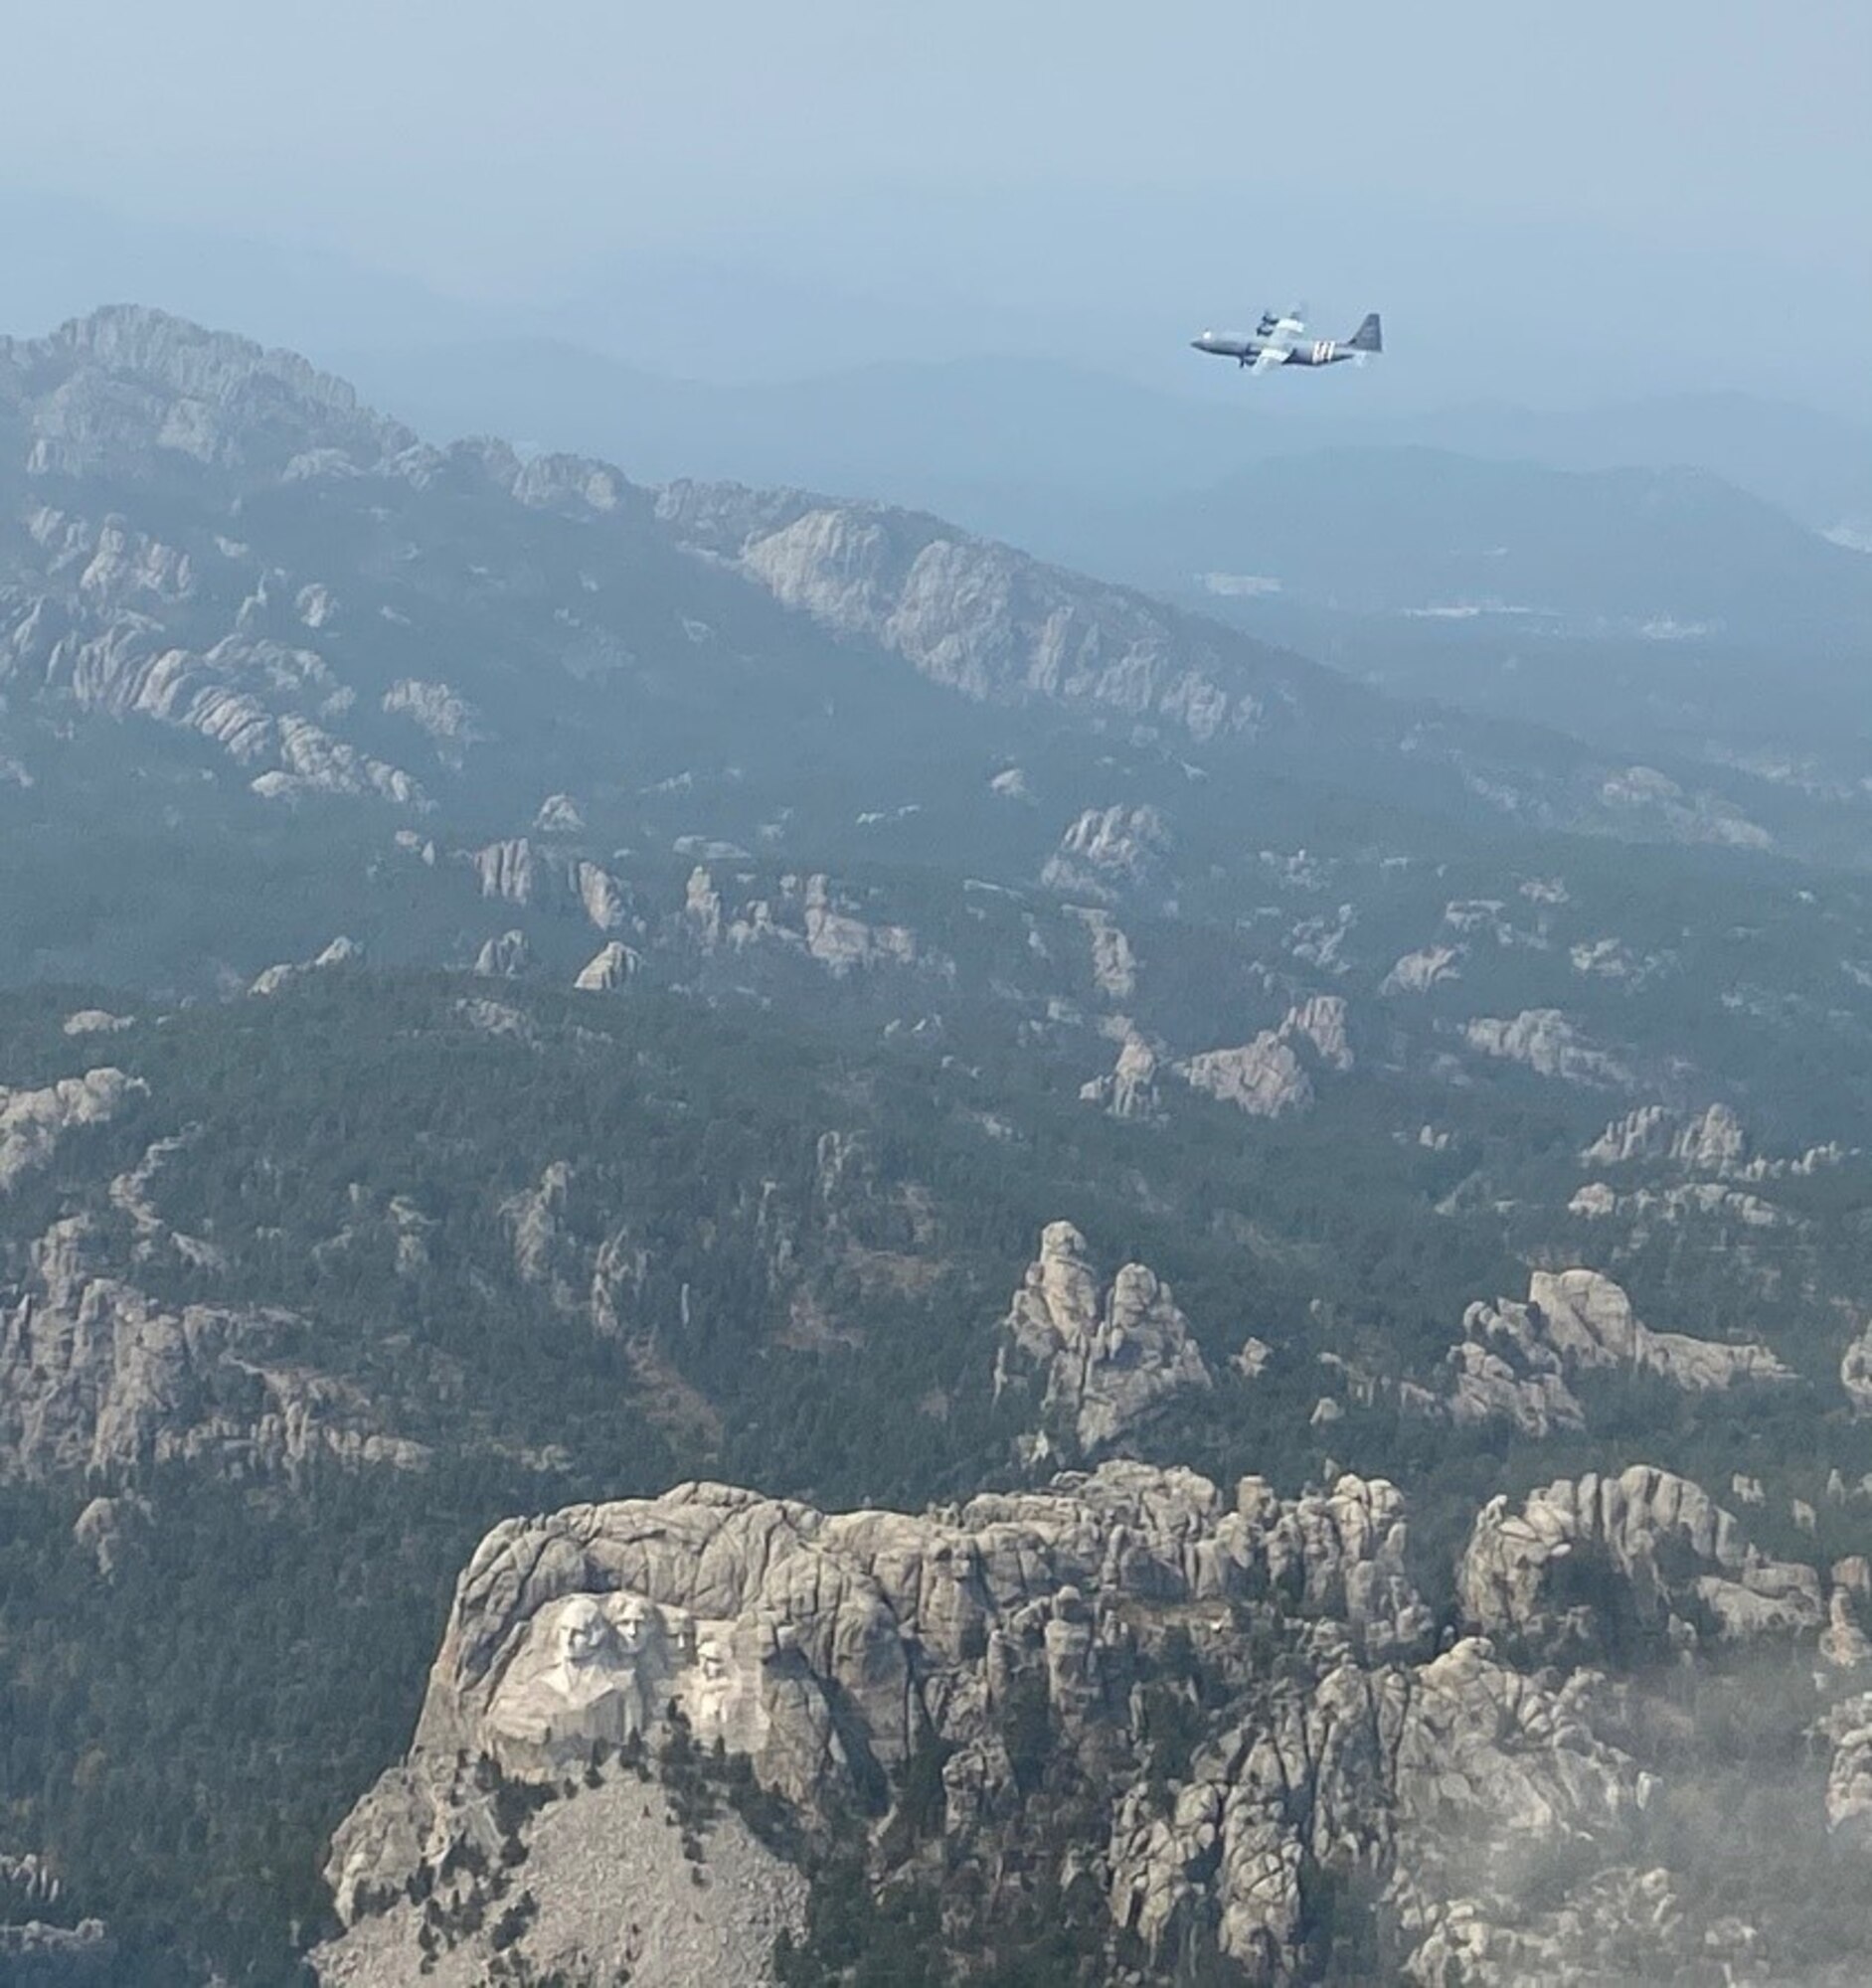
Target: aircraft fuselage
[1303,352]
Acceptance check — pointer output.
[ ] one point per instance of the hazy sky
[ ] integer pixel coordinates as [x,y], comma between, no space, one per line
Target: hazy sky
[1022,157]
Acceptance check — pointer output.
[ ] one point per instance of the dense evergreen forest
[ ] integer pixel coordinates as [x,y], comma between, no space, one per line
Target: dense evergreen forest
[822,1236]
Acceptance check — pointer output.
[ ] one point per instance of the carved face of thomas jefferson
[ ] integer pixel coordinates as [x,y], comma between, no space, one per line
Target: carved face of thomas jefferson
[636,1624]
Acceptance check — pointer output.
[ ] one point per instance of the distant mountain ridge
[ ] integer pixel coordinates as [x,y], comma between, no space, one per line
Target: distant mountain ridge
[929,432]
[287,615]
[1416,529]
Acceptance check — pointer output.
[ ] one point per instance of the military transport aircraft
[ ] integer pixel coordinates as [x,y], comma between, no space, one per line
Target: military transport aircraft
[1281,340]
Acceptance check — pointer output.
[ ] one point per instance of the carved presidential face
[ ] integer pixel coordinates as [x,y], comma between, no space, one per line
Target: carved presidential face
[634,1621]
[581,1633]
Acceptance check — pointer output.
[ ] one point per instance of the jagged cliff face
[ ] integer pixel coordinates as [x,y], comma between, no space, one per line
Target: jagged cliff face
[1329,1733]
[978,618]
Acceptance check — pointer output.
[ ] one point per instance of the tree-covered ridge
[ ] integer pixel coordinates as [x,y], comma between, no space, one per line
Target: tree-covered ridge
[1433,1099]
[808,1239]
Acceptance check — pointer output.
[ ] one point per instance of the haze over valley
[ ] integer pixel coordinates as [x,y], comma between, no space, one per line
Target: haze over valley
[853,1132]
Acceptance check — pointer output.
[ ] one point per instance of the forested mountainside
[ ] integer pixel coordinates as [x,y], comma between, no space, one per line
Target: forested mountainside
[977,1269]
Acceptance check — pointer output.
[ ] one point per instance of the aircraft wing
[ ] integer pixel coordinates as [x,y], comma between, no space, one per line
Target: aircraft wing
[1267,357]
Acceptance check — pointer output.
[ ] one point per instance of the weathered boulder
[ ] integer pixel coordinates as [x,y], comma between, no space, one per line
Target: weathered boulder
[611,967]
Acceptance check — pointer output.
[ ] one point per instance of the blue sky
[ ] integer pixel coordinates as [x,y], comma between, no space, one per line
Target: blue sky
[1655,169]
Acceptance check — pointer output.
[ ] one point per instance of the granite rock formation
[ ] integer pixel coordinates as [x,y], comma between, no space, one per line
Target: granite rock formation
[1327,1739]
[1516,1359]
[98,1378]
[32,1123]
[1270,1076]
[1098,1358]
[1583,1563]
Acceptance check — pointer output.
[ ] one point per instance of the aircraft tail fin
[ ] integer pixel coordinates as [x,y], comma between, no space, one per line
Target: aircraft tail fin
[1369,337]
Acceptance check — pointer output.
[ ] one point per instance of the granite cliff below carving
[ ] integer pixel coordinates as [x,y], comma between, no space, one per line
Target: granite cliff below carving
[1325,1733]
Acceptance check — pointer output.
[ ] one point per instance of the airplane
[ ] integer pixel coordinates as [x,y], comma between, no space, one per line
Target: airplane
[1280,340]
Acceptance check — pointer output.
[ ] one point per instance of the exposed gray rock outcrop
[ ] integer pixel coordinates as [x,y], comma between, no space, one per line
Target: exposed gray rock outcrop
[37,1955]
[1113,964]
[1713,1142]
[97,1022]
[518,873]
[616,1896]
[560,814]
[98,1378]
[341,951]
[976,616]
[116,393]
[1417,972]
[1516,1359]
[1548,1044]
[614,966]
[1269,1077]
[841,941]
[808,916]
[1855,1372]
[1108,852]
[1849,1776]
[32,1123]
[1585,1561]
[1130,1090]
[1265,1077]
[437,710]
[827,1650]
[504,958]
[1683,1201]
[1099,1360]
[1321,1021]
